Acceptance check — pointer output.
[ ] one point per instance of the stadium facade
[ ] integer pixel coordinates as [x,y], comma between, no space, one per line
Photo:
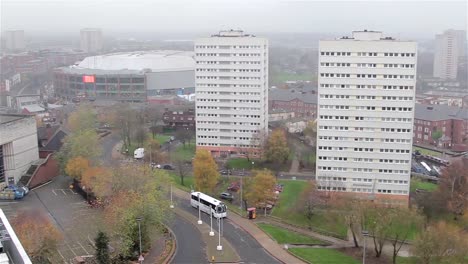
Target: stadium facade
[135,76]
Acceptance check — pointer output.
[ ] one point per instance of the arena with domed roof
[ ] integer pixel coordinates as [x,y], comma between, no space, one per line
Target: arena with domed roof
[130,76]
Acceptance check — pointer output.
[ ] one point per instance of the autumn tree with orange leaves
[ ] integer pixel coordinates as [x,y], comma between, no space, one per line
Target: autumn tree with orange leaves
[261,189]
[37,234]
[76,167]
[135,191]
[205,171]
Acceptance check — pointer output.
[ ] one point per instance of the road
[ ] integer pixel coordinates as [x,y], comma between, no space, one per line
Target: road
[187,236]
[190,248]
[108,144]
[246,246]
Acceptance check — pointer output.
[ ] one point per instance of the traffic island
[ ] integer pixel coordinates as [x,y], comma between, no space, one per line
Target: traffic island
[226,255]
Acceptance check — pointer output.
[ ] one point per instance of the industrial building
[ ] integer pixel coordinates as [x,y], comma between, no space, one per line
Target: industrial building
[366,104]
[152,76]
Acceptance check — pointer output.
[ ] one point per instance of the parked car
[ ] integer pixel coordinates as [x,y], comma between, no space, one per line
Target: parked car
[225,172]
[168,167]
[155,166]
[226,196]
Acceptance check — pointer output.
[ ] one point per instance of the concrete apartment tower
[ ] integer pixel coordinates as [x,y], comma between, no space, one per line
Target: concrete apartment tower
[231,86]
[91,40]
[365,115]
[14,40]
[449,47]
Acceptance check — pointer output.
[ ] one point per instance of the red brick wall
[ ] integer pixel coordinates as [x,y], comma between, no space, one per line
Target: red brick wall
[296,105]
[46,172]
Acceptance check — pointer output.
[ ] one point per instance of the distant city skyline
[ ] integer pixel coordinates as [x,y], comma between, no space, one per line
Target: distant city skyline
[417,19]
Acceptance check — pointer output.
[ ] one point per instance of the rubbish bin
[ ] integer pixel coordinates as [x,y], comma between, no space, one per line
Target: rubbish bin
[252,213]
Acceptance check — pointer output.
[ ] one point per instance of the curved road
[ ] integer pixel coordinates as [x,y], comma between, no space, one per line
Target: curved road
[190,248]
[246,246]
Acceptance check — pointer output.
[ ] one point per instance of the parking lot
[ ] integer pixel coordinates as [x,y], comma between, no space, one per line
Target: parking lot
[70,213]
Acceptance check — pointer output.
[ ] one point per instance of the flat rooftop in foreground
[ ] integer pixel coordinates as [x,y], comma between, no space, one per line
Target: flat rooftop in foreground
[7,118]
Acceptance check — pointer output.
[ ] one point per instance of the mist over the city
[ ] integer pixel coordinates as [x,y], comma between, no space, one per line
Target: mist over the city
[222,131]
[414,18]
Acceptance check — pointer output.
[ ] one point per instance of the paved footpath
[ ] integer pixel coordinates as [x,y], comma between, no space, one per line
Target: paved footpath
[271,246]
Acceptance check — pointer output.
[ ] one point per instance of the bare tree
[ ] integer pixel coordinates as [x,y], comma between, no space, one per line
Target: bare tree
[184,135]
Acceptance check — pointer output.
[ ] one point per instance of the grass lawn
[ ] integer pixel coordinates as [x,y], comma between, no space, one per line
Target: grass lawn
[241,163]
[323,256]
[423,185]
[282,77]
[161,138]
[188,181]
[284,236]
[186,153]
[427,152]
[284,209]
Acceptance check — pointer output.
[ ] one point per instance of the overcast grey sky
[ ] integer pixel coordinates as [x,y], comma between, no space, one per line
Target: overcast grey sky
[421,18]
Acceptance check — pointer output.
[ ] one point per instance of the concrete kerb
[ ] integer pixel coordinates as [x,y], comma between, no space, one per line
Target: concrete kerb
[173,251]
[41,185]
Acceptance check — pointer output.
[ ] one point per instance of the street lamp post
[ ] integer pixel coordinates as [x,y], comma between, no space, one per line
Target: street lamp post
[240,207]
[365,233]
[211,225]
[219,247]
[172,205]
[140,258]
[199,214]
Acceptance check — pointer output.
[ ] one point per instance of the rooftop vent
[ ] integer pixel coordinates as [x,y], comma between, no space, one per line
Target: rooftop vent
[430,108]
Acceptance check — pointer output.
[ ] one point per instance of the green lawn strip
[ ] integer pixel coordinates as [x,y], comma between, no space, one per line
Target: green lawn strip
[288,197]
[282,77]
[284,236]
[427,152]
[162,138]
[319,222]
[187,152]
[323,256]
[407,260]
[241,163]
[423,185]
[188,181]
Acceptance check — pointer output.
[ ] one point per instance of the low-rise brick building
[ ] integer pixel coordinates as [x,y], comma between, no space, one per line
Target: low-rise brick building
[303,104]
[176,119]
[451,121]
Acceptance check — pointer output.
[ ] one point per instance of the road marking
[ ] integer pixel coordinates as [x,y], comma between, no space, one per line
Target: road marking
[73,191]
[54,192]
[63,191]
[62,256]
[71,249]
[83,248]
